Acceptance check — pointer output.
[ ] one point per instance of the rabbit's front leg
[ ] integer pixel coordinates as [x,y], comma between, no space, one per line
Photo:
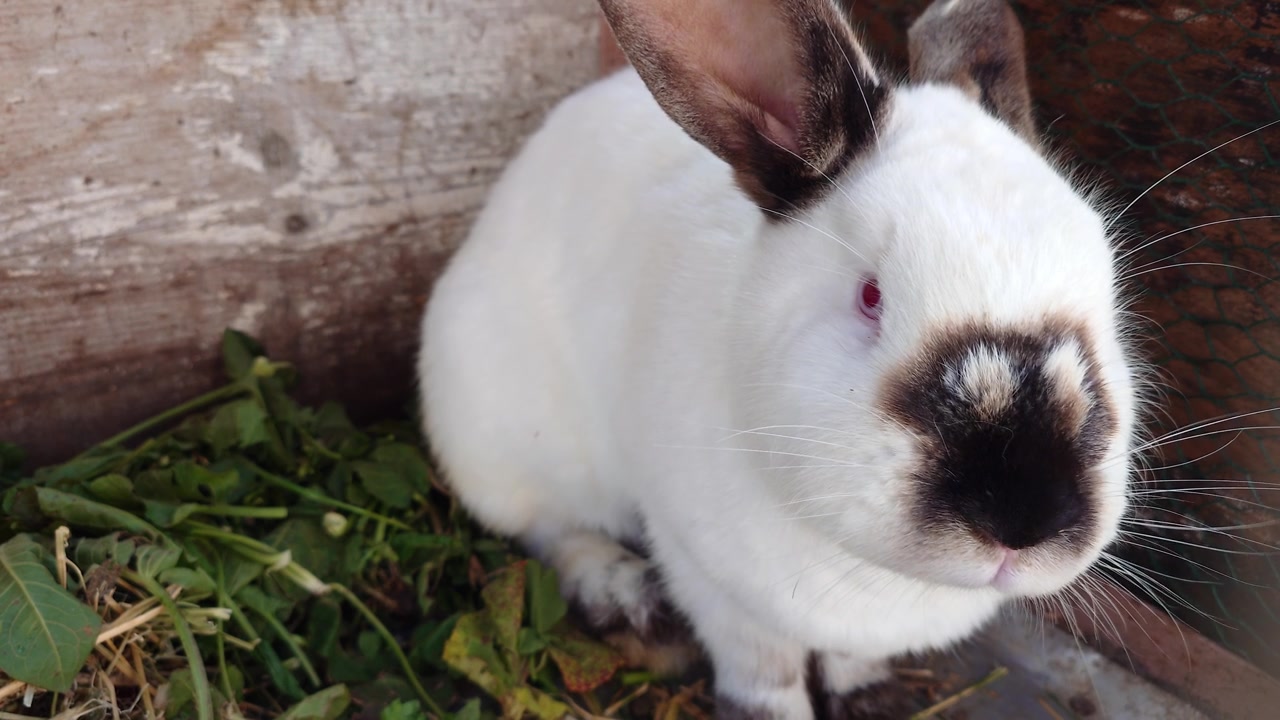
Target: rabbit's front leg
[758,674]
[849,685]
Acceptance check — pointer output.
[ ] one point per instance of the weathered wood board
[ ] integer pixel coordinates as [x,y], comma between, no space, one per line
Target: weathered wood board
[293,168]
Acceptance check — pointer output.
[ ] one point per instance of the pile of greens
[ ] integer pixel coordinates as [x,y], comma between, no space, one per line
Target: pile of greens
[243,556]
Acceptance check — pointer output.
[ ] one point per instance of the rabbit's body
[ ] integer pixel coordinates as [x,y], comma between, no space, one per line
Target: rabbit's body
[627,352]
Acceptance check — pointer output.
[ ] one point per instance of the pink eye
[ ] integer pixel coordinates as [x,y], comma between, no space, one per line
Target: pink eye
[869,299]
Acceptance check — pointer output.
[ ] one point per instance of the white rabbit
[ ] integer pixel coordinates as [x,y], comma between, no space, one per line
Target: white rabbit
[845,358]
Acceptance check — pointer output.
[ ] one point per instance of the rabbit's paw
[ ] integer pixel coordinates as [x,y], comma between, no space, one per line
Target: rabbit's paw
[846,687]
[619,594]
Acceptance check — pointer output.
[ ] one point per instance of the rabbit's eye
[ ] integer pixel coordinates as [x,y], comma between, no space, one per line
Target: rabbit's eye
[869,299]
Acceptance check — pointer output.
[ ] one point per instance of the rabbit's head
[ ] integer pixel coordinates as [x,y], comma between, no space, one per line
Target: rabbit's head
[930,343]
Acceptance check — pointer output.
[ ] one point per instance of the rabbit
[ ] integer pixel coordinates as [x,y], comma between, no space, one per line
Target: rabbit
[838,365]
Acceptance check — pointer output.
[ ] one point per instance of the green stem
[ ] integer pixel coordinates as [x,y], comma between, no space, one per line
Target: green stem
[276,669]
[319,446]
[258,547]
[936,709]
[280,630]
[223,393]
[263,554]
[122,465]
[199,678]
[390,640]
[220,641]
[320,498]
[270,513]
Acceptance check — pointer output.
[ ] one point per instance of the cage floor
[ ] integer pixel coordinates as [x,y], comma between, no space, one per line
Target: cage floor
[1049,677]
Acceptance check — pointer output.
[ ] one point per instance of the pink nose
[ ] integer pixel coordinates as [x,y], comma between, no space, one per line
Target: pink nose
[1005,572]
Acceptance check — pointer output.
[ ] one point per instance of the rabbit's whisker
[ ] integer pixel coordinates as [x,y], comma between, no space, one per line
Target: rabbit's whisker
[1162,238]
[1200,546]
[1154,588]
[1178,169]
[1182,559]
[1198,264]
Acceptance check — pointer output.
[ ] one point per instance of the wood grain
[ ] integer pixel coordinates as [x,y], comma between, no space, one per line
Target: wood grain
[296,169]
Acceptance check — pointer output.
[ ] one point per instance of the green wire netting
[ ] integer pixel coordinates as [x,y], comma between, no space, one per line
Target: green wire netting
[1131,91]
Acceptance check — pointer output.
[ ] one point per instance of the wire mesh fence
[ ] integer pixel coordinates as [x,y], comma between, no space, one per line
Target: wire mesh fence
[1132,91]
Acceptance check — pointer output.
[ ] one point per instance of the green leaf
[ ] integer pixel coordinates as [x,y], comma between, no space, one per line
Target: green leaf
[96,551]
[332,427]
[46,633]
[350,667]
[275,395]
[371,697]
[339,480]
[235,678]
[113,488]
[584,663]
[428,642]
[251,424]
[21,507]
[80,469]
[529,642]
[314,549]
[181,694]
[156,484]
[221,432]
[328,704]
[323,626]
[415,549]
[385,483]
[196,483]
[526,700]
[242,423]
[195,581]
[83,512]
[369,644]
[182,690]
[252,597]
[151,560]
[504,603]
[401,710]
[546,605]
[168,514]
[238,572]
[469,650]
[470,711]
[238,353]
[406,460]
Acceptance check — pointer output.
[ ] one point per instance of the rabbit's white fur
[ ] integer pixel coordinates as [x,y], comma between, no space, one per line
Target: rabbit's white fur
[622,308]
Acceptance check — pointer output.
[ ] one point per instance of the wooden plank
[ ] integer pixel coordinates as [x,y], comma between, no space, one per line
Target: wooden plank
[1170,654]
[293,168]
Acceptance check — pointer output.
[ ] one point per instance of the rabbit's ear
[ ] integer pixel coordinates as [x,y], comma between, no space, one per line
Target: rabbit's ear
[779,89]
[977,45]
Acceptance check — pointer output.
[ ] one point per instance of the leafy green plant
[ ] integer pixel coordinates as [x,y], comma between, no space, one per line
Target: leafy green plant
[242,555]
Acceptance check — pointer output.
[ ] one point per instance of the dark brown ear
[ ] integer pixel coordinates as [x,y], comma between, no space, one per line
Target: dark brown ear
[977,45]
[780,90]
